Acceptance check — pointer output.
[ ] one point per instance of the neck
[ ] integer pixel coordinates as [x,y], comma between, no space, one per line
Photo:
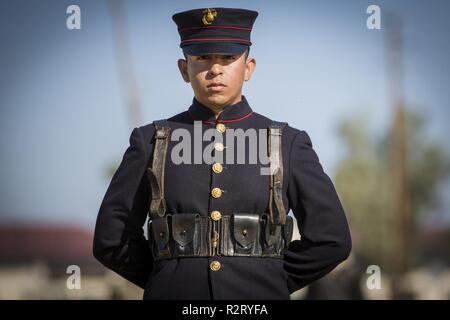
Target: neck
[216,114]
[217,109]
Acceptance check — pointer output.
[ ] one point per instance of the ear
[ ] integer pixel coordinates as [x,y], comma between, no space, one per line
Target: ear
[250,66]
[182,66]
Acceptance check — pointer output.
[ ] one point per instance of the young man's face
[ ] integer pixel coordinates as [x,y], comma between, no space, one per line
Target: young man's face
[217,79]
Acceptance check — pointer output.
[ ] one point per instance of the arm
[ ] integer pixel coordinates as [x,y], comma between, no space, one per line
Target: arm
[325,236]
[119,242]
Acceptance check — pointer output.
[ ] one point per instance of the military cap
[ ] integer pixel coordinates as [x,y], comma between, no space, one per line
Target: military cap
[215,30]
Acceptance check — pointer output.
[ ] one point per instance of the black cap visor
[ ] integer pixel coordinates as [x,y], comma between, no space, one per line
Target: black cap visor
[200,49]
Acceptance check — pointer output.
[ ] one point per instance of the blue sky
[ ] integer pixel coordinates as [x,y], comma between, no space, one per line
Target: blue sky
[63,118]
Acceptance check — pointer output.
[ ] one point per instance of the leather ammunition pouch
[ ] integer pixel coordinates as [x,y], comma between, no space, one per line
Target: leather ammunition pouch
[191,235]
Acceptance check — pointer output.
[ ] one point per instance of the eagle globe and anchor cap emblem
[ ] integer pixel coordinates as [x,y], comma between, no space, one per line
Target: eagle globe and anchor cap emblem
[208,16]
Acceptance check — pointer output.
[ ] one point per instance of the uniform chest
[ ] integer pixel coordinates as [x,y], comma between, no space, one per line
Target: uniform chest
[229,175]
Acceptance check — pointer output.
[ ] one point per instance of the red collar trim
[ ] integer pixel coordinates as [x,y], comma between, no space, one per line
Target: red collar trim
[226,121]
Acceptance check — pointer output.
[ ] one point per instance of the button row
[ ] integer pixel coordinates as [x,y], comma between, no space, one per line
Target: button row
[217,192]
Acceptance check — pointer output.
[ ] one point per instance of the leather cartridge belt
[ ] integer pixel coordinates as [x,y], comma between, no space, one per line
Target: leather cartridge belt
[192,235]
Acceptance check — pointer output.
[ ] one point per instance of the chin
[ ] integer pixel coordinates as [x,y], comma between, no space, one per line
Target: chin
[217,99]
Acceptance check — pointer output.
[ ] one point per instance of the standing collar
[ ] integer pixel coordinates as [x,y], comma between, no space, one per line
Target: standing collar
[232,113]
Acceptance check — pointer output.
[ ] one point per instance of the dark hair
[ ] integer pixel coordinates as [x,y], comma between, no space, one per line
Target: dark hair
[247,52]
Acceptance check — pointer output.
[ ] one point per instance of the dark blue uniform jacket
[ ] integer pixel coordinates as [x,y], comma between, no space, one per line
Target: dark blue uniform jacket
[120,244]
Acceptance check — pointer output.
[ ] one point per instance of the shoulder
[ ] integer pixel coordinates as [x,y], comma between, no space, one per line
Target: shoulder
[297,144]
[148,130]
[302,147]
[290,134]
[300,136]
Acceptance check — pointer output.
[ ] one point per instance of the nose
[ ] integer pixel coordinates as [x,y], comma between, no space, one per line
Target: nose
[215,69]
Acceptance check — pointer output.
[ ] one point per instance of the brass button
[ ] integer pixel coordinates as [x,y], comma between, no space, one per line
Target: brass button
[219,146]
[217,167]
[216,215]
[216,192]
[221,127]
[215,266]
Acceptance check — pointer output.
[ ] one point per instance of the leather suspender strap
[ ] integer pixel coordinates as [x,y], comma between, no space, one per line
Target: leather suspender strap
[277,210]
[156,172]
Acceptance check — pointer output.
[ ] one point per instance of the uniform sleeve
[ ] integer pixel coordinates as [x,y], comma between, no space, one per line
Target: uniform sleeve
[325,236]
[119,242]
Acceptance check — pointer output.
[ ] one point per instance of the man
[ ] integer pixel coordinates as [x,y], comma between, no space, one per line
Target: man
[218,229]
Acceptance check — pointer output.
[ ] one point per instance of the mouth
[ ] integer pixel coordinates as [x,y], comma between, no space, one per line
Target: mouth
[216,84]
[216,87]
